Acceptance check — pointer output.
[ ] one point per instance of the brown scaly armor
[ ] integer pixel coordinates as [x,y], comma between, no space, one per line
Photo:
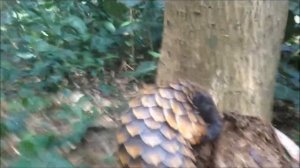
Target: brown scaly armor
[162,123]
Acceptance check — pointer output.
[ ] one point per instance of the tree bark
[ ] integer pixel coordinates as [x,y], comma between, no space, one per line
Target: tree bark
[231,48]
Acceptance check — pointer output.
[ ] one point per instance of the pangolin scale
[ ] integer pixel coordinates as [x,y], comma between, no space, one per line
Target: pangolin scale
[160,126]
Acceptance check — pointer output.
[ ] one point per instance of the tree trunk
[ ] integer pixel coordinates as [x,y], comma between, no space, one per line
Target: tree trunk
[231,48]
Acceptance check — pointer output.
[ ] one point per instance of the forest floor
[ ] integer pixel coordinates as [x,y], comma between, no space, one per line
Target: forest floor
[99,141]
[98,145]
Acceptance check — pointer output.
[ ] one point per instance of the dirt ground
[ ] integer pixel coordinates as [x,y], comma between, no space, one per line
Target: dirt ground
[244,142]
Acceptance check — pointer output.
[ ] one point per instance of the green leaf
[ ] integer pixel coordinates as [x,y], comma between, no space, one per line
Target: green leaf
[34,145]
[82,101]
[130,28]
[110,159]
[56,29]
[101,44]
[55,78]
[107,90]
[154,54]
[289,71]
[79,128]
[15,106]
[129,43]
[159,4]
[26,55]
[36,103]
[285,93]
[48,159]
[28,148]
[6,64]
[70,37]
[130,3]
[294,7]
[77,23]
[15,121]
[42,46]
[114,8]
[109,26]
[126,23]
[40,68]
[3,129]
[26,92]
[5,47]
[54,160]
[110,56]
[144,68]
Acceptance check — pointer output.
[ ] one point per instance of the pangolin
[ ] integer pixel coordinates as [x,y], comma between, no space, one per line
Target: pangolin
[163,122]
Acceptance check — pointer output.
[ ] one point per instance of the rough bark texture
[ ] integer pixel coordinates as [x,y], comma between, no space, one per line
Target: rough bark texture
[230,47]
[245,142]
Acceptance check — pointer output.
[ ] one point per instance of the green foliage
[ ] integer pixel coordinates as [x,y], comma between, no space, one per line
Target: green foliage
[55,39]
[154,54]
[294,6]
[288,79]
[110,159]
[15,122]
[143,69]
[287,86]
[44,43]
[48,159]
[106,89]
[39,149]
[32,146]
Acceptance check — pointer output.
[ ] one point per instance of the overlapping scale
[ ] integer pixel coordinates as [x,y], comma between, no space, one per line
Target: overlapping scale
[152,124]
[184,126]
[187,152]
[176,86]
[152,138]
[174,160]
[149,89]
[135,102]
[148,101]
[168,132]
[135,127]
[187,107]
[157,114]
[123,156]
[180,96]
[141,112]
[171,146]
[122,135]
[184,83]
[181,139]
[167,93]
[186,91]
[162,102]
[189,163]
[134,150]
[159,128]
[136,163]
[154,156]
[192,116]
[170,118]
[177,107]
[127,117]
